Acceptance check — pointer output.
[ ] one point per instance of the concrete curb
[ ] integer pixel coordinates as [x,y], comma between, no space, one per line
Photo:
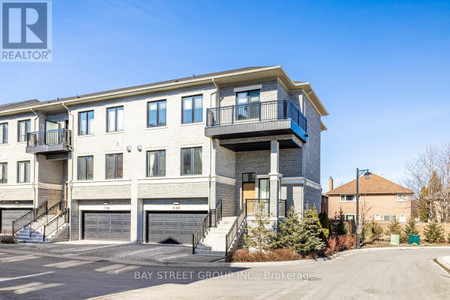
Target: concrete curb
[444,261]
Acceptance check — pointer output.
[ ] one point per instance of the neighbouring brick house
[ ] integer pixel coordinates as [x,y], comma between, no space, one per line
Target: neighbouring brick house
[380,199]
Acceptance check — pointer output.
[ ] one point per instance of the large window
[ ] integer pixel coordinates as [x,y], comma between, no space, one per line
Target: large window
[85,168]
[3,173]
[114,119]
[191,161]
[156,113]
[247,105]
[4,133]
[192,109]
[23,171]
[156,163]
[86,123]
[114,166]
[24,127]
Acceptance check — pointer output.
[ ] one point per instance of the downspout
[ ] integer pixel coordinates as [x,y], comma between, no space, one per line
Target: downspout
[304,149]
[34,184]
[69,182]
[211,144]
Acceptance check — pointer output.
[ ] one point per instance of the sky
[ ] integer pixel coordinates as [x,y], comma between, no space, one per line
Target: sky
[381,68]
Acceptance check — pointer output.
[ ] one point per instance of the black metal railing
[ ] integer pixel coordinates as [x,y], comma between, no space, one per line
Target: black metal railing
[255,206]
[29,217]
[55,224]
[257,111]
[52,211]
[49,137]
[216,215]
[231,235]
[200,232]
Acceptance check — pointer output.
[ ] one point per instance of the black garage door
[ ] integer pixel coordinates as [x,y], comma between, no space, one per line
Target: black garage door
[7,216]
[172,228]
[111,226]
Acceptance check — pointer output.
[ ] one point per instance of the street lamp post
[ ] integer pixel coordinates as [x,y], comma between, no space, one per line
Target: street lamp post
[358,227]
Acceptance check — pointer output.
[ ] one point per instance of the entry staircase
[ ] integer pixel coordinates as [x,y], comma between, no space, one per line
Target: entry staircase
[42,224]
[221,236]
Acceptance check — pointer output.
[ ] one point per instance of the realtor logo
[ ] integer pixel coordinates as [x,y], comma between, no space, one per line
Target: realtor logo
[26,31]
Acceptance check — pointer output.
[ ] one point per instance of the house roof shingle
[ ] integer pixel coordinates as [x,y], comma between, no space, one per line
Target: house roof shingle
[374,185]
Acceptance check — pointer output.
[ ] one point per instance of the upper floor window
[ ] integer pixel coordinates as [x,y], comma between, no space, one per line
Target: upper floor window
[86,123]
[114,119]
[4,133]
[156,113]
[402,197]
[156,163]
[191,161]
[86,167]
[24,127]
[3,172]
[247,106]
[114,166]
[192,109]
[349,217]
[23,171]
[348,198]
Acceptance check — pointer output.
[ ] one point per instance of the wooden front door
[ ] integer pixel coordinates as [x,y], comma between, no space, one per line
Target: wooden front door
[248,192]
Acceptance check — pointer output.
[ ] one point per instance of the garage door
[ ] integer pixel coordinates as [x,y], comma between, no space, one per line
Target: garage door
[8,216]
[172,228]
[111,226]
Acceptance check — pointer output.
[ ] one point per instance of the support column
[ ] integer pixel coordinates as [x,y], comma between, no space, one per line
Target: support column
[212,201]
[136,218]
[274,179]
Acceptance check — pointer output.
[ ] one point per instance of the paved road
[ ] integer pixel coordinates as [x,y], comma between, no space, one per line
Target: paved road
[392,274]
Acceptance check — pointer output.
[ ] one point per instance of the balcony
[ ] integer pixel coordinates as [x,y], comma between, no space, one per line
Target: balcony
[259,119]
[49,141]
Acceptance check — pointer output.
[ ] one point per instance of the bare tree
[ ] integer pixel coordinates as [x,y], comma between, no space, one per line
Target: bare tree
[431,169]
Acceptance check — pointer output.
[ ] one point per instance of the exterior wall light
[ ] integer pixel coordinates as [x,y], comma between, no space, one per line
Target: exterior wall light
[129,148]
[139,148]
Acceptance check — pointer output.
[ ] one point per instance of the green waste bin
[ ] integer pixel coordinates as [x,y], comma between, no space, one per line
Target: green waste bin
[414,239]
[395,239]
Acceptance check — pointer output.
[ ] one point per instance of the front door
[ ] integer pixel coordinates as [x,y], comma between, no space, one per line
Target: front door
[248,192]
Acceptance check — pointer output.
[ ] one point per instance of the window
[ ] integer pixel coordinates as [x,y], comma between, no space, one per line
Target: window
[23,171]
[85,168]
[86,123]
[247,105]
[402,198]
[191,161]
[4,133]
[402,218]
[349,217]
[3,173]
[348,198]
[389,217]
[114,119]
[192,109]
[114,166]
[23,128]
[264,189]
[156,163]
[377,218]
[248,177]
[156,113]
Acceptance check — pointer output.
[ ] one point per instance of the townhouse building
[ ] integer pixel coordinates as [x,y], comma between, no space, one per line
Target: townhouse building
[152,163]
